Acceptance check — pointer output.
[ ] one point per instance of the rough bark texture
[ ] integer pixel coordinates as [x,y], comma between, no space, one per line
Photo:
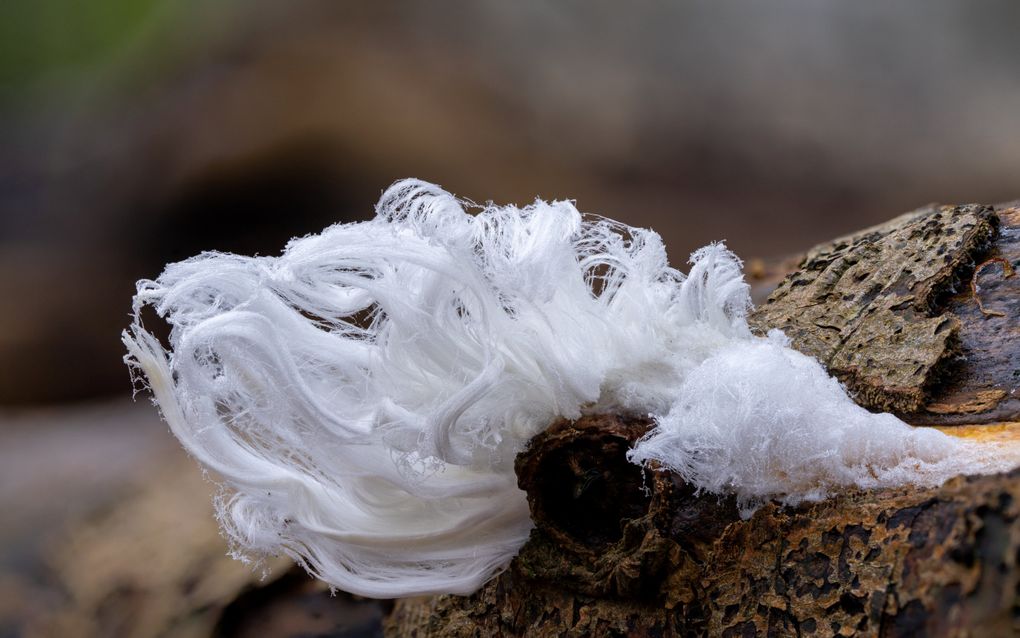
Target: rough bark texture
[898,562]
[980,386]
[891,313]
[869,306]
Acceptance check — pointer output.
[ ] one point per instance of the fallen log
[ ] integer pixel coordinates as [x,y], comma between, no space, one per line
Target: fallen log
[621,550]
[607,558]
[618,550]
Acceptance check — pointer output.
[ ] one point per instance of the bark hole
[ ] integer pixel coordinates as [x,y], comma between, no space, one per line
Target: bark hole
[590,490]
[581,488]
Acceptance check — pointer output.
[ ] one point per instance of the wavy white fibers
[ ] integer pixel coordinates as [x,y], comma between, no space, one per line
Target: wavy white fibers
[761,420]
[363,395]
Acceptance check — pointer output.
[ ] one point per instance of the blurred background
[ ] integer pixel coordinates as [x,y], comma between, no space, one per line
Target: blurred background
[138,132]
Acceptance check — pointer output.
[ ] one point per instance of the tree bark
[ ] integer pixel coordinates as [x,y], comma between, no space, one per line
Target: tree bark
[890,312]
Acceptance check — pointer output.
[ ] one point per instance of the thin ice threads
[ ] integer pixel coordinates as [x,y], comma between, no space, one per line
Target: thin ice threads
[362,396]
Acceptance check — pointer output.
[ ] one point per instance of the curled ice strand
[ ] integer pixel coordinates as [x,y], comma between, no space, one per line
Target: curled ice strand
[362,396]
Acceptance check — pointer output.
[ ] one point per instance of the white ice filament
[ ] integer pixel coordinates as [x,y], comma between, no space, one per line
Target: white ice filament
[363,395]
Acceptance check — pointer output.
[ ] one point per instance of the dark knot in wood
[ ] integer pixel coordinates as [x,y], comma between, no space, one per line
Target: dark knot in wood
[603,525]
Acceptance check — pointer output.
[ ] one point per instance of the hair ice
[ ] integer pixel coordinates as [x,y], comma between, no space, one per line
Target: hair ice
[363,395]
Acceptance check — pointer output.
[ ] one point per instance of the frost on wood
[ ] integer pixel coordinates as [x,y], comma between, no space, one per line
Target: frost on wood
[760,420]
[886,562]
[362,397]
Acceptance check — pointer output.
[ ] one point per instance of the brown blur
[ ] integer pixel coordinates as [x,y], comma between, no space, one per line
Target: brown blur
[236,127]
[134,134]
